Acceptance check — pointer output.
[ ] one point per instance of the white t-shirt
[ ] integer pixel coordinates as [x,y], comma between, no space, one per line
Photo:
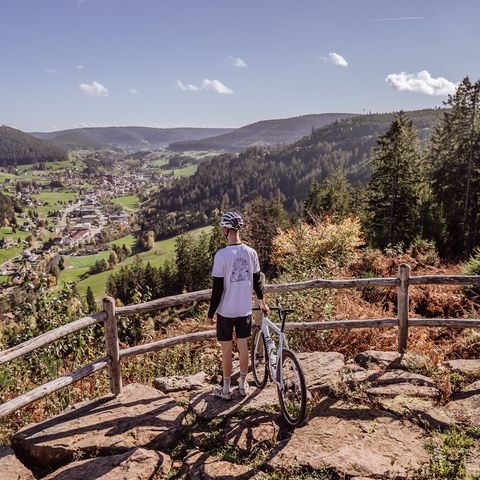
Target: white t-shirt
[236,264]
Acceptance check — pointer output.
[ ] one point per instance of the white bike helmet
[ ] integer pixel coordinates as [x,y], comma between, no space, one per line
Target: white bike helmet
[231,220]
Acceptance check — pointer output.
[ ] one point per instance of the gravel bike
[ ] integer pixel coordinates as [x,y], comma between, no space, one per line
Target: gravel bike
[279,363]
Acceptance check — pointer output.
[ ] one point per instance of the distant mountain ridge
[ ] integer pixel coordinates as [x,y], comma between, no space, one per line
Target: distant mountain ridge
[18,148]
[138,138]
[263,133]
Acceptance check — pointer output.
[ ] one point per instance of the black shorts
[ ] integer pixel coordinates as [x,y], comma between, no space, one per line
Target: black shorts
[243,327]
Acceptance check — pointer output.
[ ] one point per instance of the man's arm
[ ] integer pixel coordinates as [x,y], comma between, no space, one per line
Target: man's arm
[259,292]
[217,292]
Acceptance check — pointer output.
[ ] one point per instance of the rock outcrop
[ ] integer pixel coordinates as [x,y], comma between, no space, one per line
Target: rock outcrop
[355,441]
[11,468]
[140,417]
[136,464]
[369,418]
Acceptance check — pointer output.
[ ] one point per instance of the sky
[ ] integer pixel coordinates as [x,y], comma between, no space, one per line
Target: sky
[225,63]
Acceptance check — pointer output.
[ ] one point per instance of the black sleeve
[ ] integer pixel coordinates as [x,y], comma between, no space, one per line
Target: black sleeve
[217,291]
[258,285]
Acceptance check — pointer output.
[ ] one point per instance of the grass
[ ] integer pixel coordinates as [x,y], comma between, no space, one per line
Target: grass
[129,241]
[129,203]
[186,171]
[75,267]
[55,198]
[4,176]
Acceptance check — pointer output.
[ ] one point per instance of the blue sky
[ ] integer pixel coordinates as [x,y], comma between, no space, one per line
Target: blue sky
[225,63]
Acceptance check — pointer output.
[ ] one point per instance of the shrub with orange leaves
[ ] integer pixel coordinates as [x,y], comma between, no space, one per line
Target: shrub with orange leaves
[326,245]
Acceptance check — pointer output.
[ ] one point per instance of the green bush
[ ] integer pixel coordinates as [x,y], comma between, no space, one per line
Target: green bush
[472,267]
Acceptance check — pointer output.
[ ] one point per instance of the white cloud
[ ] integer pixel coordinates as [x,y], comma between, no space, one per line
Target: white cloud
[421,82]
[79,67]
[51,70]
[94,89]
[336,59]
[236,62]
[206,84]
[216,85]
[188,87]
[133,91]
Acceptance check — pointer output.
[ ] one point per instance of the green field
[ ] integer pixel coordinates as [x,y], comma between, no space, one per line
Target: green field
[4,279]
[77,266]
[4,176]
[162,251]
[8,253]
[129,241]
[54,198]
[128,203]
[186,171]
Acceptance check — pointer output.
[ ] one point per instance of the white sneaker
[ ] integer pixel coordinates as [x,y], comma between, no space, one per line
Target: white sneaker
[244,391]
[218,392]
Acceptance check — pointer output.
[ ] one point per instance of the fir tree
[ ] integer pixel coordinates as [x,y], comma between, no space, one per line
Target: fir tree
[395,186]
[90,299]
[455,160]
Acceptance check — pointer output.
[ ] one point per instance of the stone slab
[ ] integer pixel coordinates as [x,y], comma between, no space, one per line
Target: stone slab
[11,468]
[252,430]
[140,417]
[177,383]
[421,411]
[389,360]
[137,464]
[465,405]
[200,466]
[355,441]
[467,368]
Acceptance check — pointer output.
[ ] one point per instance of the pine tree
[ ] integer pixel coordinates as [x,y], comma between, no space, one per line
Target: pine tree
[331,197]
[455,161]
[395,185]
[91,304]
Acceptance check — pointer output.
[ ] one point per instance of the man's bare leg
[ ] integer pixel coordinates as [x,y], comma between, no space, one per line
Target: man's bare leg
[227,365]
[242,344]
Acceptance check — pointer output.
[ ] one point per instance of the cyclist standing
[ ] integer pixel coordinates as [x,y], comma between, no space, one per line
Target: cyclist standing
[236,274]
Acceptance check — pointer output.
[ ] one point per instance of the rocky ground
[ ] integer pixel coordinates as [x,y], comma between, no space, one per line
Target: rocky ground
[379,415]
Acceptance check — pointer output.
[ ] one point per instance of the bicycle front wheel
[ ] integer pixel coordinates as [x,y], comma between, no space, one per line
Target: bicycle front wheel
[293,395]
[259,357]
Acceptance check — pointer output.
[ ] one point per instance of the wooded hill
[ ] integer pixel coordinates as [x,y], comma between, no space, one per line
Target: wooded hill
[230,181]
[262,134]
[138,138]
[17,148]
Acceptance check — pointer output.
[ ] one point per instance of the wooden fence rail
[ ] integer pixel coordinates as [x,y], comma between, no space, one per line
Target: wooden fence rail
[110,313]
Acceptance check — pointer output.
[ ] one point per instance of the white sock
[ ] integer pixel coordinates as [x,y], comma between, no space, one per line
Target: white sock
[226,384]
[243,377]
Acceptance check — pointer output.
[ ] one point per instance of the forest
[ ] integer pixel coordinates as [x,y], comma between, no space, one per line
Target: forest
[405,175]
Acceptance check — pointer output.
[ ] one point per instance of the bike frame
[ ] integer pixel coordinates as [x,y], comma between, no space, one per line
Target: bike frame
[267,326]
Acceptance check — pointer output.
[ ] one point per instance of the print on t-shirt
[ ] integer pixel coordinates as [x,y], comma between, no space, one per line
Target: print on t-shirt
[240,270]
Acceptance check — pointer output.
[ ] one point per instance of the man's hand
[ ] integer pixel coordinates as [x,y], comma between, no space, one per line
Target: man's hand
[211,320]
[264,307]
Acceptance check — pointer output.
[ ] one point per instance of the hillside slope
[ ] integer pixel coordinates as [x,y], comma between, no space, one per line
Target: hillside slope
[17,148]
[94,138]
[264,133]
[229,181]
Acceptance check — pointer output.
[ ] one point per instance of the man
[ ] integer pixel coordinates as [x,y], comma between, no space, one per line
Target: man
[236,274]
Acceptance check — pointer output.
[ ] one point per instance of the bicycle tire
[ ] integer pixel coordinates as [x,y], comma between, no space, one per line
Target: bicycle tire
[299,393]
[260,375]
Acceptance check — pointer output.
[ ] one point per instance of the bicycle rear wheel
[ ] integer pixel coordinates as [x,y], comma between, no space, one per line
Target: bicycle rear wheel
[259,358]
[293,396]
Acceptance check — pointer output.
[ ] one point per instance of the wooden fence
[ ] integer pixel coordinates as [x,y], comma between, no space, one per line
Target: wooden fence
[114,355]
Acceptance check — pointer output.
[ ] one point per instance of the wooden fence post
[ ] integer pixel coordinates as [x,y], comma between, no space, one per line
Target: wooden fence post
[402,306]
[113,350]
